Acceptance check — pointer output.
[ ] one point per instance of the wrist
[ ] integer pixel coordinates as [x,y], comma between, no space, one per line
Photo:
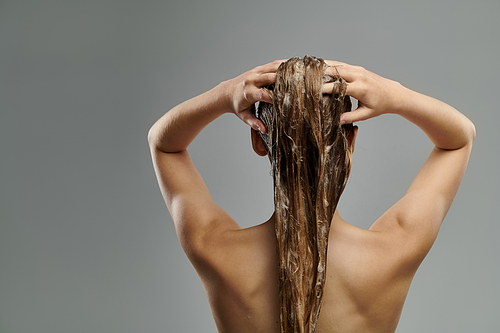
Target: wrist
[223,93]
[404,100]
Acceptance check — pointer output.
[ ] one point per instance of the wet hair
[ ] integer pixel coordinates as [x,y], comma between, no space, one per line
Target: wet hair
[311,161]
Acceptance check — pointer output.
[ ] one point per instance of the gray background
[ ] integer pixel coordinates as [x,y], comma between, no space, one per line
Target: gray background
[86,242]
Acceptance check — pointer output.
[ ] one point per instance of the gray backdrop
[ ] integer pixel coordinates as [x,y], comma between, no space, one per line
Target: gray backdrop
[86,242]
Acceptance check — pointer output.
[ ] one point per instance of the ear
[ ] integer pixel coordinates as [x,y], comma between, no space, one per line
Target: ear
[257,144]
[352,137]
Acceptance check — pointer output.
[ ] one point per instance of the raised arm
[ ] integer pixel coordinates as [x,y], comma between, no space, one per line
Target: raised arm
[177,128]
[446,127]
[421,211]
[185,193]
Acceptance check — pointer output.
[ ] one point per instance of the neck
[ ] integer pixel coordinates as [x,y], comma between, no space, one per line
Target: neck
[336,220]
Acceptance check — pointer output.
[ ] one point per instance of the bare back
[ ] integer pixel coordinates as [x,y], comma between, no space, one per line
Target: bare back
[368,276]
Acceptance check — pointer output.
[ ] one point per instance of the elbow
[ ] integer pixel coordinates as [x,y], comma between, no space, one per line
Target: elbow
[152,136]
[470,133]
[473,131]
[156,139]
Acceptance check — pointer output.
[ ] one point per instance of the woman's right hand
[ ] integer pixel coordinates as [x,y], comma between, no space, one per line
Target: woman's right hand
[247,89]
[376,95]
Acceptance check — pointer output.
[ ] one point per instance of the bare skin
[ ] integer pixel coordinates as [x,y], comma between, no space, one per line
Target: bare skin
[370,271]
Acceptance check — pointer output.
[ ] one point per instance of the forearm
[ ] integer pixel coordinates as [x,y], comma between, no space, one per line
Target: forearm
[445,126]
[176,129]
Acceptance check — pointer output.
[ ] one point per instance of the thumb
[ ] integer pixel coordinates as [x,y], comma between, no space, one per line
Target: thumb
[253,122]
[360,114]
[257,125]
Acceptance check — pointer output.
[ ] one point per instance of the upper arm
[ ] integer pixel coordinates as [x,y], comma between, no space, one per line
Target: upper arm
[191,206]
[424,206]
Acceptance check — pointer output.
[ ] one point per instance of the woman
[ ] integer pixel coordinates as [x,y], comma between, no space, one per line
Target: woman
[306,269]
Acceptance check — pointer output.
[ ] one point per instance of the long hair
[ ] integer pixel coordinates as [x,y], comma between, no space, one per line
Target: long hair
[311,162]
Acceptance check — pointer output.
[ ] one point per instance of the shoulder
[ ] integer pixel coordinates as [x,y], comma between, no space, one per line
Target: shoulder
[411,225]
[236,267]
[230,252]
[385,248]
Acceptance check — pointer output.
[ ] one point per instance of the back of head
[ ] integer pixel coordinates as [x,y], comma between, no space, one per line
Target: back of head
[311,160]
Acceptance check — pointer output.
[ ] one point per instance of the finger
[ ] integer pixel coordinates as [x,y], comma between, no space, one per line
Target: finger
[328,88]
[263,80]
[260,125]
[356,89]
[259,95]
[360,114]
[334,63]
[353,89]
[255,123]
[270,67]
[347,72]
[331,87]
